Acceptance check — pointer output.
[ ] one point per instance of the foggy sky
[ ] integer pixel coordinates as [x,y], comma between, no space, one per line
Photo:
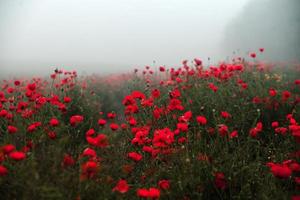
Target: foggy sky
[112,35]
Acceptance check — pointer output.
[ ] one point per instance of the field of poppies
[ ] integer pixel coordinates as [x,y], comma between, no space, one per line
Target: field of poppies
[225,131]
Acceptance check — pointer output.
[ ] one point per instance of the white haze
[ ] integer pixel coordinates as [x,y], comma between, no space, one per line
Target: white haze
[108,36]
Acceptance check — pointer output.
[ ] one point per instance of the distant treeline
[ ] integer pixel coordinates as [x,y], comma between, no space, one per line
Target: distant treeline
[273,24]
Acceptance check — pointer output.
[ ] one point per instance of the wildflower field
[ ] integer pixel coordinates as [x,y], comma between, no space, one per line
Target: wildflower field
[224,131]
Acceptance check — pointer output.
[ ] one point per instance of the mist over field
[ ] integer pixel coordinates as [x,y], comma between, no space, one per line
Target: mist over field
[272,24]
[117,36]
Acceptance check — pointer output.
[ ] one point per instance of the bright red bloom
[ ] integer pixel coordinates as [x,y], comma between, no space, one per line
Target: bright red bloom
[155,93]
[132,121]
[8,148]
[280,170]
[54,122]
[275,124]
[32,127]
[76,119]
[182,127]
[281,130]
[12,129]
[67,99]
[17,155]
[10,90]
[295,129]
[272,92]
[3,113]
[89,169]
[111,115]
[121,187]
[233,134]
[175,93]
[135,156]
[138,95]
[223,130]
[89,152]
[17,82]
[163,137]
[114,126]
[100,141]
[254,131]
[201,120]
[31,87]
[101,122]
[175,104]
[143,193]
[90,132]
[154,193]
[225,114]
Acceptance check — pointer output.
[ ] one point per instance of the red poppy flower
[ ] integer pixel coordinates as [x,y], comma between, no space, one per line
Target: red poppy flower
[101,122]
[164,184]
[76,119]
[223,130]
[280,170]
[142,192]
[272,92]
[90,132]
[68,161]
[111,115]
[253,55]
[12,129]
[121,186]
[286,95]
[89,169]
[52,135]
[67,99]
[54,122]
[198,61]
[100,141]
[220,181]
[17,155]
[275,124]
[162,69]
[114,126]
[225,114]
[234,134]
[154,193]
[135,156]
[8,148]
[155,93]
[3,170]
[201,120]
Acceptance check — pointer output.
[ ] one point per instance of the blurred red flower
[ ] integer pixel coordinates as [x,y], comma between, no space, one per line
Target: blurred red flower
[121,186]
